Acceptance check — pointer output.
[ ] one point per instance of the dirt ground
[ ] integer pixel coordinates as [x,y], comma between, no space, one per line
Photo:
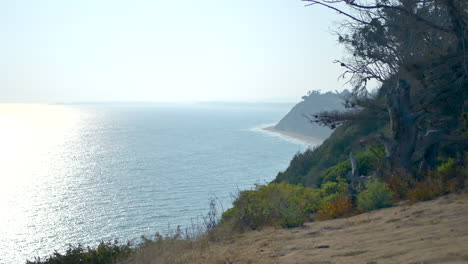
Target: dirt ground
[426,232]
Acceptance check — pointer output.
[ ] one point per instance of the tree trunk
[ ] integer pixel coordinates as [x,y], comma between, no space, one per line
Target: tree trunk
[354,168]
[430,146]
[402,142]
[457,16]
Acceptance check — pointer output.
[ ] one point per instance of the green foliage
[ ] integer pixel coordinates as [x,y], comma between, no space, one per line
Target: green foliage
[446,165]
[337,172]
[331,200]
[376,195]
[370,160]
[307,168]
[367,161]
[104,253]
[276,204]
[327,193]
[280,204]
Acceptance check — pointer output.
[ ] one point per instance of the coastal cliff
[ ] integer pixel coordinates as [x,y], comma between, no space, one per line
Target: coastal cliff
[296,122]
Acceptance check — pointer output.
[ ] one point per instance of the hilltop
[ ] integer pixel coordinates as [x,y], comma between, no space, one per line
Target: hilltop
[295,122]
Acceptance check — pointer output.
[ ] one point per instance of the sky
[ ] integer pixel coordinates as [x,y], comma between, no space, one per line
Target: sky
[152,50]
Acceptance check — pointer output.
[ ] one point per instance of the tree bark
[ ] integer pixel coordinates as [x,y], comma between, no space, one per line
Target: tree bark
[457,18]
[402,142]
[354,168]
[430,147]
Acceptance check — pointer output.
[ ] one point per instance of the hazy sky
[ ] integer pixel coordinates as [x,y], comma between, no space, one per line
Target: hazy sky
[153,50]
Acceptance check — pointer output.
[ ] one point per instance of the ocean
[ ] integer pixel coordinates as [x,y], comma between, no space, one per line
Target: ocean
[90,172]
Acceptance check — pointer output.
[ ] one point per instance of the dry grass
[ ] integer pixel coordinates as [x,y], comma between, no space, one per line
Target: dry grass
[426,232]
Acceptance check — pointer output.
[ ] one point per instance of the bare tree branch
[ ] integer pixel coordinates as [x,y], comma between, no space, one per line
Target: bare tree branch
[313,2]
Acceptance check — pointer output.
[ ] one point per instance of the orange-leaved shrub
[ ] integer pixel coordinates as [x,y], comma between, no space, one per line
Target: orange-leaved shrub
[424,190]
[399,184]
[340,207]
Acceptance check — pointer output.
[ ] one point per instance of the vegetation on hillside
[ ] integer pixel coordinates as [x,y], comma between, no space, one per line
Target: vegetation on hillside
[416,50]
[409,137]
[104,253]
[280,205]
[409,134]
[307,168]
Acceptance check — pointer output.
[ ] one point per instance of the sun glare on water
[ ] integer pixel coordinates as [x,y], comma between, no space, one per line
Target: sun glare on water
[29,134]
[33,141]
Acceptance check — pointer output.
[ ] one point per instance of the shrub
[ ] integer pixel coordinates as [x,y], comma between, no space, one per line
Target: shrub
[337,208]
[446,179]
[329,192]
[367,161]
[446,165]
[336,172]
[453,179]
[276,204]
[449,177]
[104,253]
[423,191]
[376,195]
[285,205]
[292,216]
[399,184]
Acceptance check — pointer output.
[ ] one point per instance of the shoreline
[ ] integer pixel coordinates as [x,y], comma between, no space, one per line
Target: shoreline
[311,141]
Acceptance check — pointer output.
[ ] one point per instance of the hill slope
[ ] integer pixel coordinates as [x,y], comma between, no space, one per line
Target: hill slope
[426,232]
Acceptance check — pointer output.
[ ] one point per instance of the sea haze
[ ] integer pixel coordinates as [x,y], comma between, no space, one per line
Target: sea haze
[85,173]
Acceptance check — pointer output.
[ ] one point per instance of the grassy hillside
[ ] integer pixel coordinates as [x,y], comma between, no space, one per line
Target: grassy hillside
[426,232]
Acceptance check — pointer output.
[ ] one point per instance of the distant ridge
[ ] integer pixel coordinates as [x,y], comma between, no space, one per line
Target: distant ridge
[296,122]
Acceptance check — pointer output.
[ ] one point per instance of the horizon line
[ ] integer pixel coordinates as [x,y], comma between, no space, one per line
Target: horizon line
[151,102]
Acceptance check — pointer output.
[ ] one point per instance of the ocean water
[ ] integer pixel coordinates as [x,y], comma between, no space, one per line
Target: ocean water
[85,173]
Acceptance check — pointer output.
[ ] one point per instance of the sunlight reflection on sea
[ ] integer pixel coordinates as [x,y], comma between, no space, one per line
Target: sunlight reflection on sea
[82,173]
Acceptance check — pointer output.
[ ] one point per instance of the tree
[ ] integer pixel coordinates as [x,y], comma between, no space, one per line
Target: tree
[417,51]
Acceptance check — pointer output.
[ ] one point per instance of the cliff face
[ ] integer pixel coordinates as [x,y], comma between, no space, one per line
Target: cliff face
[296,122]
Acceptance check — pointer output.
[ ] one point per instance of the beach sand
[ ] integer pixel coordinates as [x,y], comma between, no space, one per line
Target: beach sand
[311,141]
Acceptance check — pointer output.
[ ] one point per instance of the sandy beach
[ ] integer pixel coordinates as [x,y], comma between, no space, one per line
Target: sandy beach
[311,141]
